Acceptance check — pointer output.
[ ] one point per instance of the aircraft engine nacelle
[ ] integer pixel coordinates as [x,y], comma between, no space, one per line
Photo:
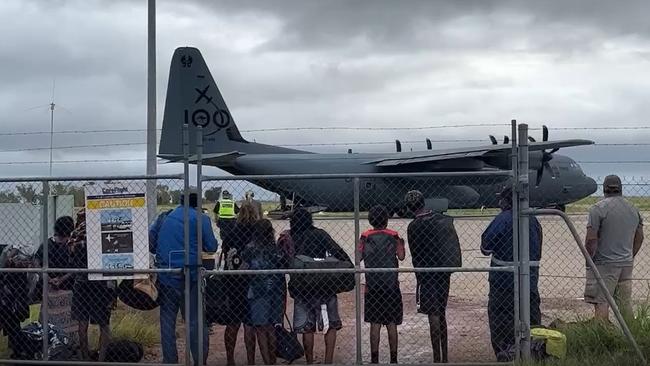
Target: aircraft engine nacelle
[436,204]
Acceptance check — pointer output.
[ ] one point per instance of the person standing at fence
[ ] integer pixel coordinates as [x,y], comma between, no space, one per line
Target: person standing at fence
[236,287]
[433,242]
[265,292]
[313,308]
[60,290]
[380,247]
[497,241]
[14,300]
[92,301]
[614,237]
[171,297]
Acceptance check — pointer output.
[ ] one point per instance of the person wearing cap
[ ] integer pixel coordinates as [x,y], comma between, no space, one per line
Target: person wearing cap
[433,242]
[614,237]
[497,241]
[225,216]
[170,253]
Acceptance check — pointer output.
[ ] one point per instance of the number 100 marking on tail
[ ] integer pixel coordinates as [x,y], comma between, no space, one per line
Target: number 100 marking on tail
[201,117]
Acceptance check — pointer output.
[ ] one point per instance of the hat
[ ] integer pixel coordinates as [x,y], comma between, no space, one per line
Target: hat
[612,183]
[414,199]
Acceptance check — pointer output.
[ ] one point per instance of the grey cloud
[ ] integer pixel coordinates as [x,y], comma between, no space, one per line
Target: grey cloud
[377,63]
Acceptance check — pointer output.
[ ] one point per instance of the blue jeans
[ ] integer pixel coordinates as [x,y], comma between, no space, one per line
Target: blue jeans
[171,300]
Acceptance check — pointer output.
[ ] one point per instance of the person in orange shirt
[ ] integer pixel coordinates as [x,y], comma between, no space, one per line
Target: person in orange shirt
[382,248]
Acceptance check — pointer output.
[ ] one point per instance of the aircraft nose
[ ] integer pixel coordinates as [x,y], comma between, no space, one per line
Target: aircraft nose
[590,186]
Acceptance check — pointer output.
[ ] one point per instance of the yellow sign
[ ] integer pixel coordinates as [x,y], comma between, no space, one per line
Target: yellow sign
[115,203]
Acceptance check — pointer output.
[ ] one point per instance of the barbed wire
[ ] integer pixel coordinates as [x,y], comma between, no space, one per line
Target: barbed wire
[330,128]
[347,143]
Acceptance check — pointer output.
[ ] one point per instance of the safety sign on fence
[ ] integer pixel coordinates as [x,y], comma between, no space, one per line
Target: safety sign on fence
[116,227]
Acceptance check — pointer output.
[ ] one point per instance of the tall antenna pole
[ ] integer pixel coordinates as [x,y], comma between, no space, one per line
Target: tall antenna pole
[151,108]
[52,124]
[51,132]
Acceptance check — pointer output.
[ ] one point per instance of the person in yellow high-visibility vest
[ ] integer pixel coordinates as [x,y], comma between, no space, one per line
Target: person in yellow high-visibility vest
[225,214]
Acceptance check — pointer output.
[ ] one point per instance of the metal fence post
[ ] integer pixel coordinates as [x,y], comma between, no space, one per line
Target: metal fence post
[357,276]
[524,250]
[515,239]
[44,314]
[186,238]
[199,244]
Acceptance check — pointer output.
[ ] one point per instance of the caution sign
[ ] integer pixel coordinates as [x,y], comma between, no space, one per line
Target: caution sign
[116,228]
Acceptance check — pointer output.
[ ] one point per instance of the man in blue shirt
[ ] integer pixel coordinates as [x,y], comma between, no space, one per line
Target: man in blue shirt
[497,241]
[170,254]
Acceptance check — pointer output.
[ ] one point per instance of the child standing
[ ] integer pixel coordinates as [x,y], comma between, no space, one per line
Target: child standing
[265,292]
[380,247]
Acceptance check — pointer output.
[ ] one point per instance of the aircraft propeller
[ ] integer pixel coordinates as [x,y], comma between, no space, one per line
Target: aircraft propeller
[546,157]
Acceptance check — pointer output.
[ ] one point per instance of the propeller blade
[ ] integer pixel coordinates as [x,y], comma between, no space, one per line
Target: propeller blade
[429,146]
[540,172]
[506,140]
[493,139]
[554,150]
[544,133]
[531,139]
[398,146]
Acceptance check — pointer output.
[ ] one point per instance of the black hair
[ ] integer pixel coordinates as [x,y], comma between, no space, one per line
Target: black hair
[301,220]
[194,199]
[378,217]
[63,226]
[263,233]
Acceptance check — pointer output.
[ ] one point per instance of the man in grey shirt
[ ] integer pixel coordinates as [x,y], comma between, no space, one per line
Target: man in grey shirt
[614,237]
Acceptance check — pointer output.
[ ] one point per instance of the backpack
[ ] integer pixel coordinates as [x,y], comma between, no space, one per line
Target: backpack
[155,229]
[287,345]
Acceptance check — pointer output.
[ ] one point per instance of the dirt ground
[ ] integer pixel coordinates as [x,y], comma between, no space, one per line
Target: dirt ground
[561,287]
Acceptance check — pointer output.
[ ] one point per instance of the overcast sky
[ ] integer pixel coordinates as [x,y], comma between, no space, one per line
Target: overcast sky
[315,63]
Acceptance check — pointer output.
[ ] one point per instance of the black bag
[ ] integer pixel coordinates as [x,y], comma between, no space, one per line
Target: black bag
[287,346]
[124,351]
[326,283]
[134,297]
[217,302]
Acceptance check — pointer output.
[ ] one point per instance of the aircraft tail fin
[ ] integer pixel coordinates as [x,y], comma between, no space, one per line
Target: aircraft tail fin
[194,98]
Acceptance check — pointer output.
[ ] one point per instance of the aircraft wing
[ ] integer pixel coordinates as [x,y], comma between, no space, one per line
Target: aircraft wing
[208,159]
[399,159]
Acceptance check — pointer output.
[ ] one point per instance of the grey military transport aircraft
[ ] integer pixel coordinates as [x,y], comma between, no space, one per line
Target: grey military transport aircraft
[193,98]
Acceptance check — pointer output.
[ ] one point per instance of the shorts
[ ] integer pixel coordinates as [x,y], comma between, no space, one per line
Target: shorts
[618,280]
[265,311]
[92,301]
[308,314]
[433,293]
[383,306]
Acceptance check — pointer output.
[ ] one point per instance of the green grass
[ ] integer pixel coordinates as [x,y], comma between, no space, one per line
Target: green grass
[592,342]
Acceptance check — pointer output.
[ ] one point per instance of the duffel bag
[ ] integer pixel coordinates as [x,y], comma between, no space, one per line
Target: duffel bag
[326,283]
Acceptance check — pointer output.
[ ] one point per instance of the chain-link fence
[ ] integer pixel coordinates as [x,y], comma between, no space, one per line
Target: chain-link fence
[344,269]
